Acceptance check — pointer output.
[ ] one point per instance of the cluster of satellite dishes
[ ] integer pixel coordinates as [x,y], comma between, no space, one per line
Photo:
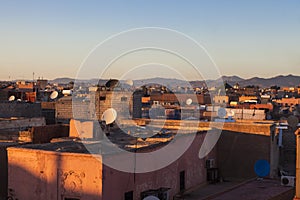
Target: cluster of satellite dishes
[53,96]
[13,98]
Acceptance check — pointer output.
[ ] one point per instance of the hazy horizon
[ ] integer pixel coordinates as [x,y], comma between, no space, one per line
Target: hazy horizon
[140,79]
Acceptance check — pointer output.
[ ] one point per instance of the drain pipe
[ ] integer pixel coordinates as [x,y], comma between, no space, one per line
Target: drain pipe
[297,195]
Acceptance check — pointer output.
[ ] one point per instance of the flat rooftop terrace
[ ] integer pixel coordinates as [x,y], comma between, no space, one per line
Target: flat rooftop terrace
[255,189]
[117,138]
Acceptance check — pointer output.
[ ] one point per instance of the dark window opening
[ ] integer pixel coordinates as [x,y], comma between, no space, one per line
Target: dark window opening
[128,195]
[123,98]
[102,98]
[182,180]
[70,198]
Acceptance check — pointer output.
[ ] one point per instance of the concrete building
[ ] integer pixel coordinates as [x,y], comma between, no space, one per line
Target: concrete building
[20,131]
[20,109]
[289,101]
[66,170]
[93,107]
[221,100]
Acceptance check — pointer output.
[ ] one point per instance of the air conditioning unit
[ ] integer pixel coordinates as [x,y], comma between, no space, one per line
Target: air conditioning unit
[288,181]
[210,163]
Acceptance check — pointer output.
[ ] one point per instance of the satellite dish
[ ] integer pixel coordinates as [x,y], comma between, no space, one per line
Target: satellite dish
[19,100]
[262,168]
[189,101]
[151,198]
[67,92]
[11,98]
[129,82]
[54,95]
[222,112]
[109,116]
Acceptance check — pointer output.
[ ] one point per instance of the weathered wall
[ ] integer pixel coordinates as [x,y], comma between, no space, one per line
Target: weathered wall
[37,174]
[82,129]
[20,123]
[64,111]
[48,111]
[116,183]
[3,168]
[44,134]
[53,175]
[20,109]
[237,153]
[93,109]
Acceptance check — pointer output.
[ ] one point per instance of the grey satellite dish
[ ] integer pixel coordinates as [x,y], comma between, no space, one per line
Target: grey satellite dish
[54,95]
[222,112]
[109,116]
[189,101]
[151,198]
[11,98]
[129,82]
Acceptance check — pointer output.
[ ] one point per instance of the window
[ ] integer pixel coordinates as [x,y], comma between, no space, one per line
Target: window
[71,198]
[123,98]
[182,180]
[102,98]
[128,195]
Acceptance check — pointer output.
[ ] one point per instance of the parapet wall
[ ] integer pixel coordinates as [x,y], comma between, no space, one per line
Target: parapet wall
[20,109]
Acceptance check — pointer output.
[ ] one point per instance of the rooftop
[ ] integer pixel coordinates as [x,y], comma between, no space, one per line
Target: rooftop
[116,139]
[258,189]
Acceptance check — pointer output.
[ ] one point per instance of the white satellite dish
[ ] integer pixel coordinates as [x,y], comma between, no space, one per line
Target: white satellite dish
[11,98]
[189,101]
[67,92]
[54,95]
[19,100]
[109,116]
[151,198]
[129,82]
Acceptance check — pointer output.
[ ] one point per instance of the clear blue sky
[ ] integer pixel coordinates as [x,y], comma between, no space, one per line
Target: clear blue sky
[245,38]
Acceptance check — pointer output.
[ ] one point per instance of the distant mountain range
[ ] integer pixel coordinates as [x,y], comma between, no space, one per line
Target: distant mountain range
[282,81]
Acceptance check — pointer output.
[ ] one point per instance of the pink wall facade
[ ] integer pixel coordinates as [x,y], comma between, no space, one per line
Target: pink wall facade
[49,175]
[36,174]
[116,183]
